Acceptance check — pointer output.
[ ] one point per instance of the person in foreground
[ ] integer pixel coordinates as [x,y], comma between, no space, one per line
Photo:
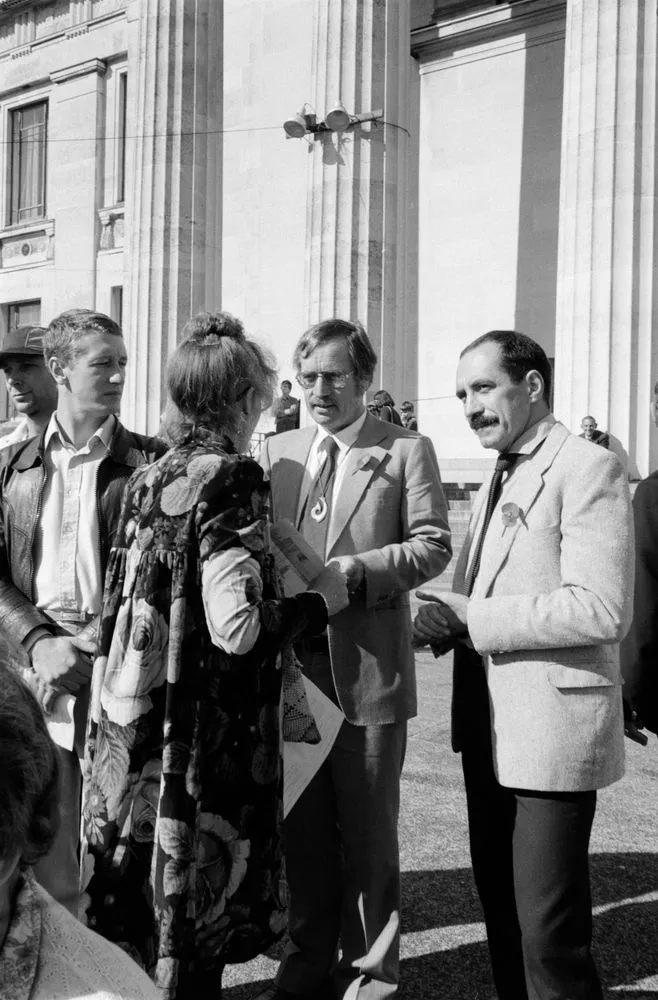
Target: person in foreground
[542,595]
[367,496]
[61,496]
[182,776]
[30,386]
[44,951]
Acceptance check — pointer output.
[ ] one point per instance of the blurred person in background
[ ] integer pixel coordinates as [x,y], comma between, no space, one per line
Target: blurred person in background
[30,386]
[591,433]
[181,802]
[44,951]
[386,407]
[286,410]
[408,416]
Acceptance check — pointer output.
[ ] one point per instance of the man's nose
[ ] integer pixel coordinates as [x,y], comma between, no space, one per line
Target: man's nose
[472,407]
[118,377]
[322,384]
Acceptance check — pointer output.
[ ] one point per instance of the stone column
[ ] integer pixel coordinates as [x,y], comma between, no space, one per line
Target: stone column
[358,191]
[606,353]
[173,196]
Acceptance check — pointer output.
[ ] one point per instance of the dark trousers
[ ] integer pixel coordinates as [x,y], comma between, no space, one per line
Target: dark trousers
[530,860]
[341,846]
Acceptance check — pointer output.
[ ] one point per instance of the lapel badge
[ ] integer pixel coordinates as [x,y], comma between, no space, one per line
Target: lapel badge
[511,513]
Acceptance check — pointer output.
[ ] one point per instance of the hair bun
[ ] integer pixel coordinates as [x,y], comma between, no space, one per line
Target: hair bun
[211,328]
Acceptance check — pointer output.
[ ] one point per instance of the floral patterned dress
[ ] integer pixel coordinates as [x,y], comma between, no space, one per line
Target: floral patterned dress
[181,799]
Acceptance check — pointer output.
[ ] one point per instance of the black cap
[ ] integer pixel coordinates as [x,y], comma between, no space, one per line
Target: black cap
[24,340]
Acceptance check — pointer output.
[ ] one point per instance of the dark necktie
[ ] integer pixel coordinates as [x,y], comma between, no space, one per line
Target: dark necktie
[505,462]
[317,511]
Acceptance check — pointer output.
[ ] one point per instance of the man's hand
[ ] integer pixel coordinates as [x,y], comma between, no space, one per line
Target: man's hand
[353,569]
[441,619]
[63,663]
[332,585]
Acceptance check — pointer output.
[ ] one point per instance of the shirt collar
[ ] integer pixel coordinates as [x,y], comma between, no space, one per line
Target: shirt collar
[344,438]
[533,436]
[104,434]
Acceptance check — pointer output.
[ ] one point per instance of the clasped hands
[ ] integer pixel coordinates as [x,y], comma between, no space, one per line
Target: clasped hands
[62,665]
[441,621]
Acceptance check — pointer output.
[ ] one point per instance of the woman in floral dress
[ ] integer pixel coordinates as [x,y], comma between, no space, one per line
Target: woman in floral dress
[182,779]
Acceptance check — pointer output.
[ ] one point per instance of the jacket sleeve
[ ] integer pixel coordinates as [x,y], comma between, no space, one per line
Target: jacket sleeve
[424,550]
[232,517]
[639,651]
[18,615]
[593,603]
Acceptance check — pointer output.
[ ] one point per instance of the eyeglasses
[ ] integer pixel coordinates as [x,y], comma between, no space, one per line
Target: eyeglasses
[337,380]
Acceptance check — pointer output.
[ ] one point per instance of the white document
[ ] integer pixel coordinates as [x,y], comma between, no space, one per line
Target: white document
[298,564]
[60,722]
[302,761]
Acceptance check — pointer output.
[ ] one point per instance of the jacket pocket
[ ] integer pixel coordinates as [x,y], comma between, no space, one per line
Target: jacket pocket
[583,676]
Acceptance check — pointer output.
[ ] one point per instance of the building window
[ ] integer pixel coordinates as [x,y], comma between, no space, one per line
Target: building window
[116,304]
[122,102]
[28,163]
[23,314]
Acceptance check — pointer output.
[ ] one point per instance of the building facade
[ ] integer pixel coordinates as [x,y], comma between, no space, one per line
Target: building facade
[505,178]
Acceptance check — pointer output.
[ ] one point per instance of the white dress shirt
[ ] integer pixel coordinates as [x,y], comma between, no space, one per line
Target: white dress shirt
[345,439]
[68,573]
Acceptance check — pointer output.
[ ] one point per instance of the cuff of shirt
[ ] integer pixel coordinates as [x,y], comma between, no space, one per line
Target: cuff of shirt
[31,639]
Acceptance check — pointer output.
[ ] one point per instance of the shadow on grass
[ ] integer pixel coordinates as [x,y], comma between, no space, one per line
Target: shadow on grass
[625,934]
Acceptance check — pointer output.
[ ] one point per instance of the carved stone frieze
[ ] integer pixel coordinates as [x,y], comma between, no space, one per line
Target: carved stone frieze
[33,244]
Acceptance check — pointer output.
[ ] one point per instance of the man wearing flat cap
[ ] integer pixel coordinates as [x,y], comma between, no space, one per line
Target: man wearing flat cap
[30,386]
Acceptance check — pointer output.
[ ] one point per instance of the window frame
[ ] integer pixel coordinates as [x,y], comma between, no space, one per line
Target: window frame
[9,306]
[121,118]
[14,165]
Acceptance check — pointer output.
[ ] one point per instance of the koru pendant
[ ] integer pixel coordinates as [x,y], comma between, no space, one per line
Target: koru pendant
[319,509]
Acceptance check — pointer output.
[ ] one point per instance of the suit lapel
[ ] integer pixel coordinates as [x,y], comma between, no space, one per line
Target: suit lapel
[361,462]
[291,475]
[524,488]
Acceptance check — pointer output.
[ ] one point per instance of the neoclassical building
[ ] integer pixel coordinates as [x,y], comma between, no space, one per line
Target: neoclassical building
[505,177]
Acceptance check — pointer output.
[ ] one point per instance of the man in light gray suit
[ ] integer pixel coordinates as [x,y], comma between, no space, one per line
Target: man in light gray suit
[367,495]
[543,594]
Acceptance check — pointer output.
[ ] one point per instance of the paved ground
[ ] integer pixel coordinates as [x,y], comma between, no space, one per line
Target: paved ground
[443,945]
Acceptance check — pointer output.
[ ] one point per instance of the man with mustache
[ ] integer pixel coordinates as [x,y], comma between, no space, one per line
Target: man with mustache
[30,385]
[366,495]
[542,595]
[61,496]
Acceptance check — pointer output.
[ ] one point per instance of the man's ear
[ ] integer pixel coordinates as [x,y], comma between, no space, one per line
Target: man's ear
[56,369]
[535,384]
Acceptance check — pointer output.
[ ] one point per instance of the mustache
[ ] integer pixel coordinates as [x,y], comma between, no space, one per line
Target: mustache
[477,423]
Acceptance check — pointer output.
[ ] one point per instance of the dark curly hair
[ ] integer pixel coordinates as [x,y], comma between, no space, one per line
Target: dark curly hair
[29,776]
